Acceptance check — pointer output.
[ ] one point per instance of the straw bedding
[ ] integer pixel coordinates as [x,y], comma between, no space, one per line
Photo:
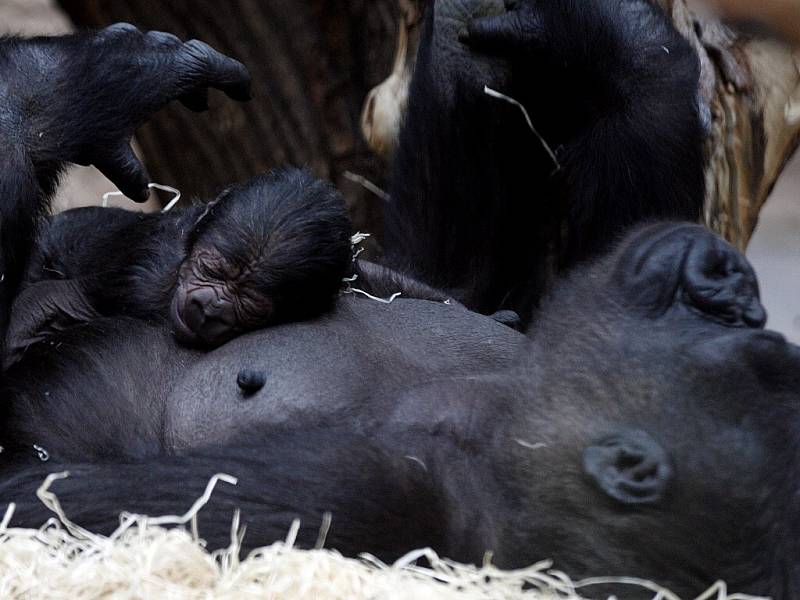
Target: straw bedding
[164,558]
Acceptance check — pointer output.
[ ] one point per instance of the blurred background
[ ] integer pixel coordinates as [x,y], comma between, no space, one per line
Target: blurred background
[334,147]
[775,253]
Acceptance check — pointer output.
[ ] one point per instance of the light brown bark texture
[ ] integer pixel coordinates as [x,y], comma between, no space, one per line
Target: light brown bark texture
[752,87]
[315,61]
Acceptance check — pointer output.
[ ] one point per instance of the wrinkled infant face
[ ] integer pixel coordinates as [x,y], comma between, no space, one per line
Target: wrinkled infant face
[215,300]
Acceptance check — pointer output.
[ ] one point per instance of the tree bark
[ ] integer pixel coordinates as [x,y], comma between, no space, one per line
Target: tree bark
[751,86]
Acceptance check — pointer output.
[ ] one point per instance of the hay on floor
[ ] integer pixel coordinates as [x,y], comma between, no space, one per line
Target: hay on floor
[143,559]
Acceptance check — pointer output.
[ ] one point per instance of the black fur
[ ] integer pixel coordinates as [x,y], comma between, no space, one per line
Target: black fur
[79,99]
[646,436]
[609,84]
[647,376]
[282,477]
[275,250]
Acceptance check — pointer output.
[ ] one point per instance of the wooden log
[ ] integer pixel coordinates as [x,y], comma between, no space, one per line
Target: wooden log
[751,88]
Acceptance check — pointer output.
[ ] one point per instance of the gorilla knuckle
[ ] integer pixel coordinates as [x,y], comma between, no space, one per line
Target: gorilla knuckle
[162,38]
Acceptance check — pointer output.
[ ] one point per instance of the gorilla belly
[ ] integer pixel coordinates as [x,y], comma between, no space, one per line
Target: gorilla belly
[346,368]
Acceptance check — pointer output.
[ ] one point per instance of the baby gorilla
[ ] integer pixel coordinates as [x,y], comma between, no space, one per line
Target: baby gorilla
[272,250]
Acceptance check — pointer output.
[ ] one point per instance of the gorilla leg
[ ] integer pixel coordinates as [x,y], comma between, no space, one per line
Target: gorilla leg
[631,149]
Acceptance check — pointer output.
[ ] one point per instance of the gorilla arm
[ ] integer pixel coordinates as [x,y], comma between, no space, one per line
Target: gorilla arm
[615,85]
[612,88]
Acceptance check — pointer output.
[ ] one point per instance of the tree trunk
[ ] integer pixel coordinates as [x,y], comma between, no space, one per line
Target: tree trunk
[750,85]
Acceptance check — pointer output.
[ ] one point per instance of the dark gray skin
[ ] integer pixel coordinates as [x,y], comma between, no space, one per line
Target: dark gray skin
[365,350]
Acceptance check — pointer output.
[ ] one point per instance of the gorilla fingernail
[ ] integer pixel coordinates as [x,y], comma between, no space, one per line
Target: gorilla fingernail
[251,381]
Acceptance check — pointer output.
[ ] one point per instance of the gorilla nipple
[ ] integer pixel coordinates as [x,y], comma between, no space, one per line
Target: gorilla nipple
[251,381]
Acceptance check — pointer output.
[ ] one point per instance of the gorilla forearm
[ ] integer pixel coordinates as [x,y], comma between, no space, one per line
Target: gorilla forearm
[21,203]
[382,281]
[380,503]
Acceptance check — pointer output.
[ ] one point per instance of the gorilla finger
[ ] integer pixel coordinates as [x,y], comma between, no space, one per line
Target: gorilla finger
[220,72]
[125,171]
[196,101]
[498,34]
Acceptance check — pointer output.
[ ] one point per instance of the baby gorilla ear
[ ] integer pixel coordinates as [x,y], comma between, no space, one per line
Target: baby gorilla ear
[630,467]
[718,281]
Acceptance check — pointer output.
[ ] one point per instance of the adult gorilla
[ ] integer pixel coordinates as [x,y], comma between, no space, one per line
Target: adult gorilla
[647,428]
[653,435]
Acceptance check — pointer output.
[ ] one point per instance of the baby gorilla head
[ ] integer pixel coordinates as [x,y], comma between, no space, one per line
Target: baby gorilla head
[272,250]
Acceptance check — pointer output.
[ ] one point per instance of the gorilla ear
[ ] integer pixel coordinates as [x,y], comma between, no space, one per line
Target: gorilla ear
[629,466]
[719,281]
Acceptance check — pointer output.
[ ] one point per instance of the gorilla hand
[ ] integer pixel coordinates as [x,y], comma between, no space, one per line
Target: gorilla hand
[562,29]
[80,98]
[43,309]
[592,44]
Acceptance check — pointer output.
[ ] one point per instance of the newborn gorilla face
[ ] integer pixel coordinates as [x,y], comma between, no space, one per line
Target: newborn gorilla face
[272,250]
[213,302]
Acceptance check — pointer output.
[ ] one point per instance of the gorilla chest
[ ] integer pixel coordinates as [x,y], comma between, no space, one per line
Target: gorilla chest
[348,370]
